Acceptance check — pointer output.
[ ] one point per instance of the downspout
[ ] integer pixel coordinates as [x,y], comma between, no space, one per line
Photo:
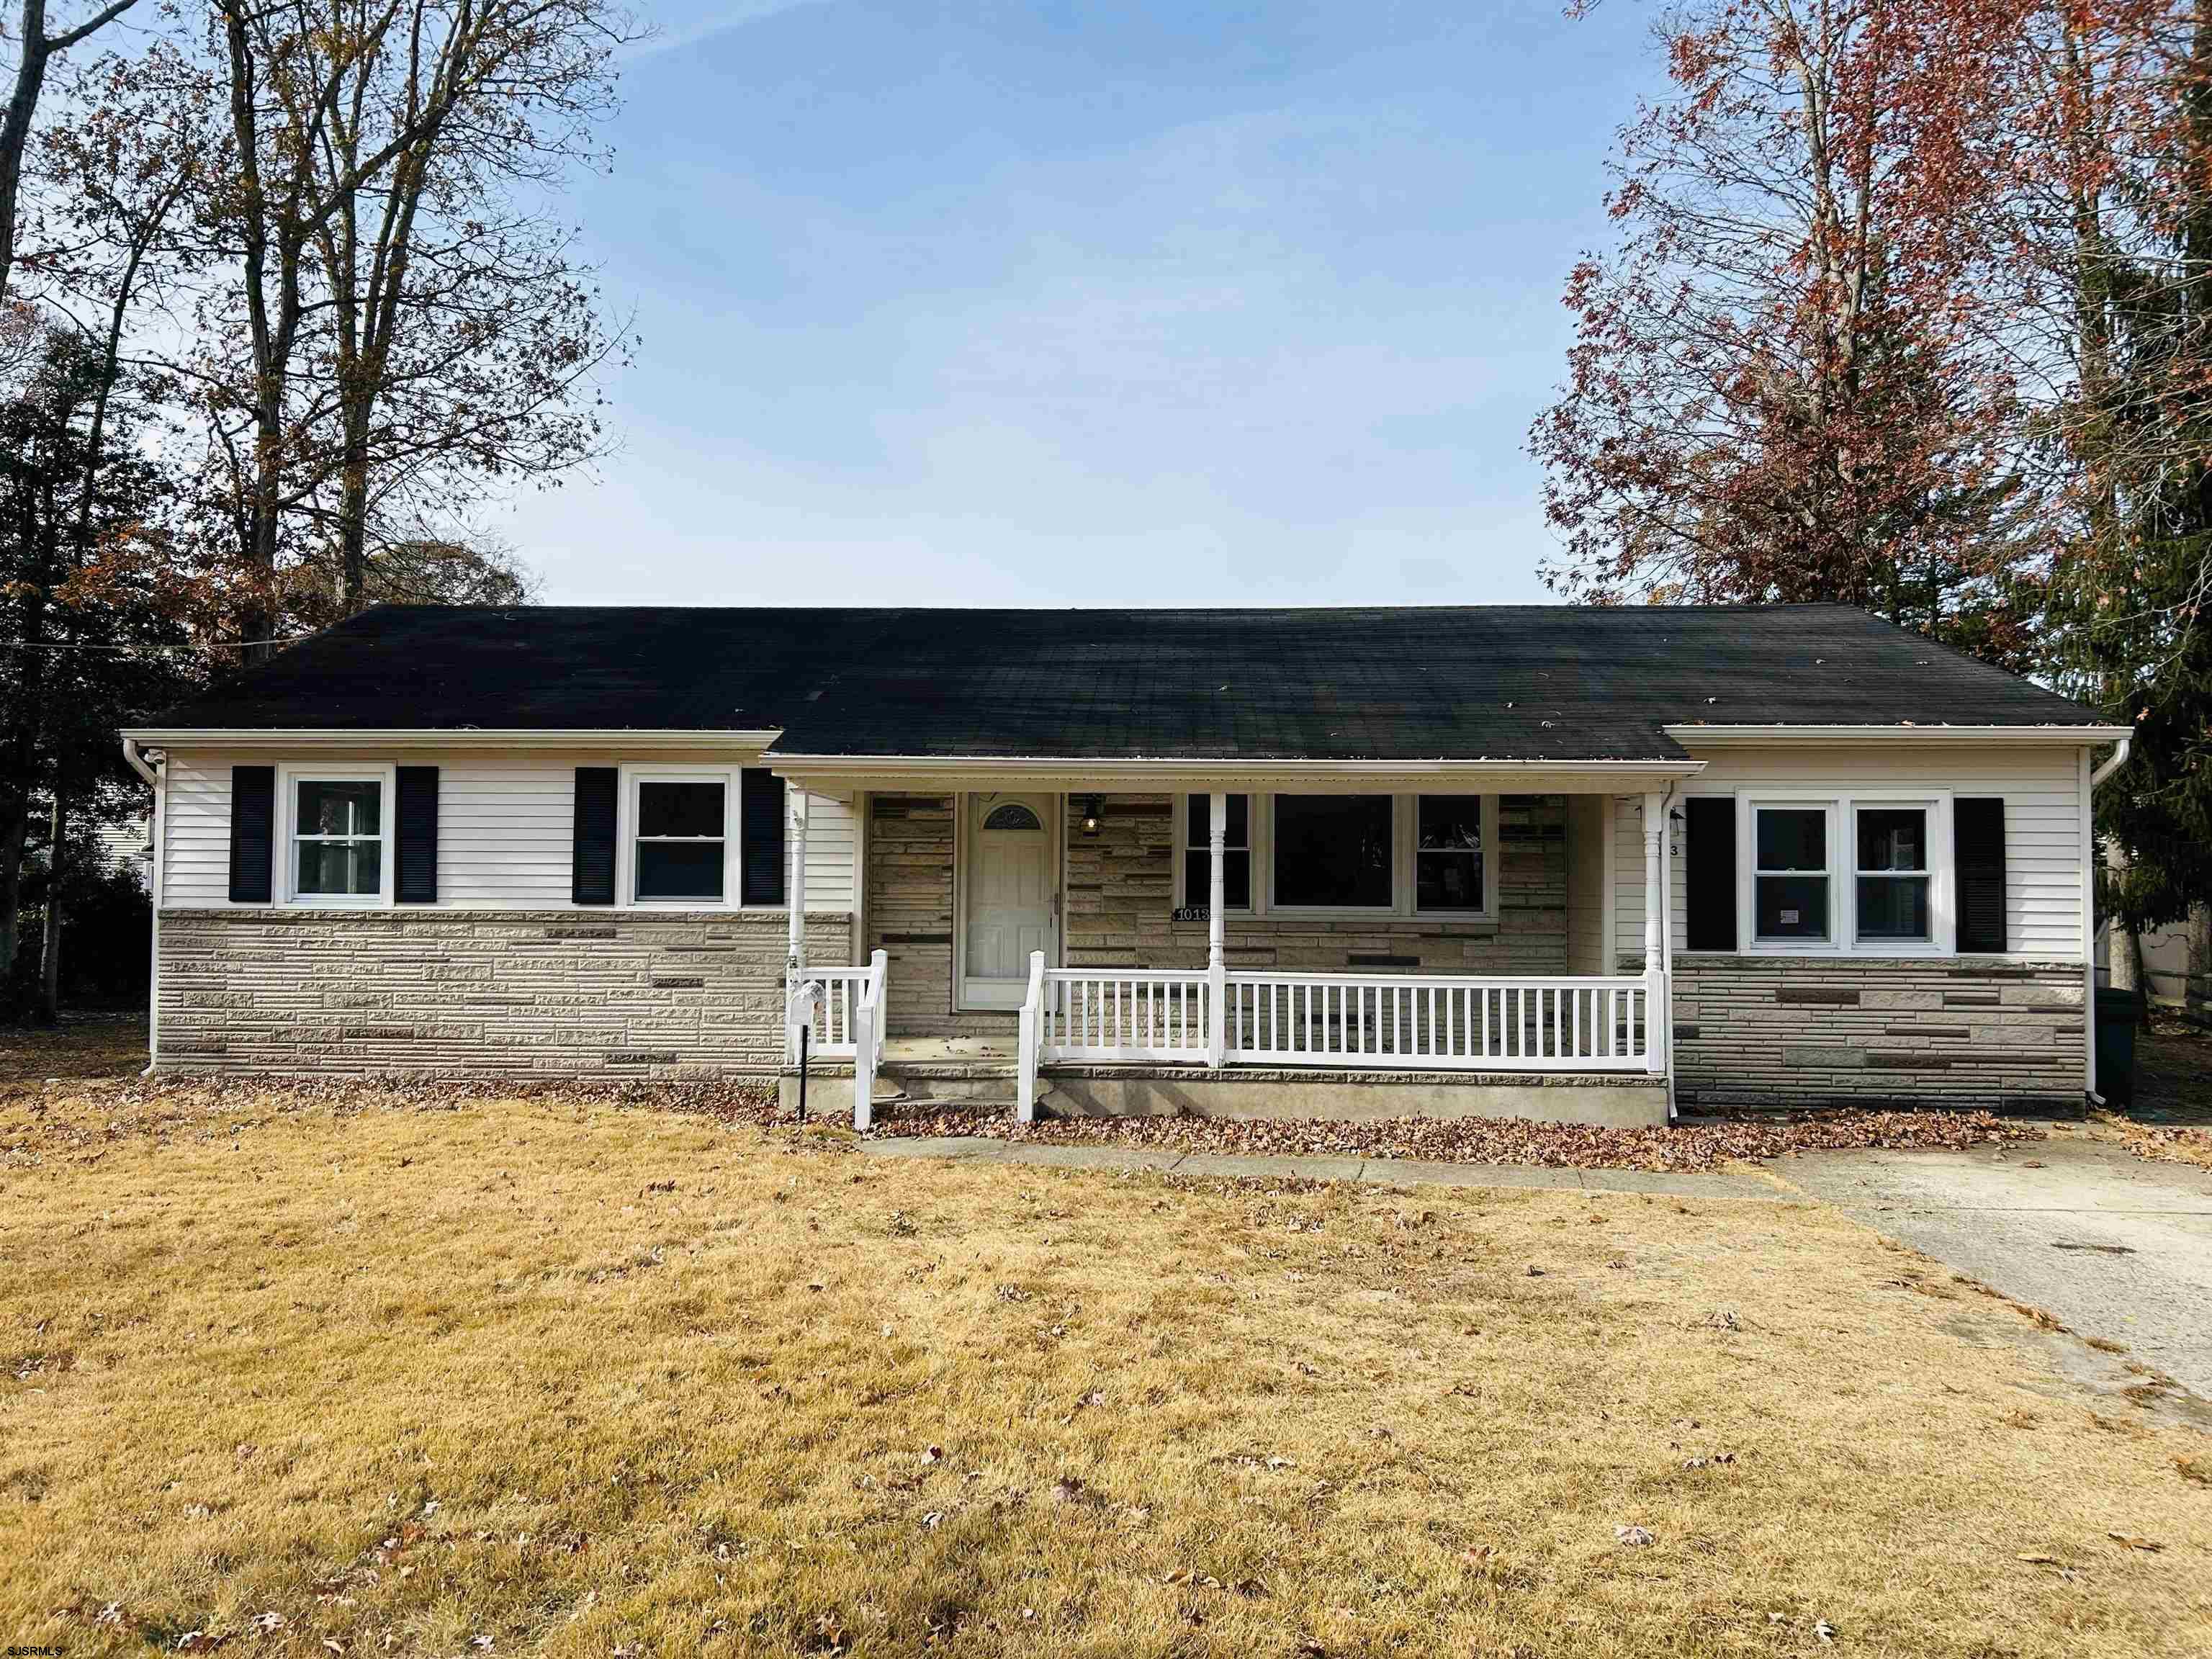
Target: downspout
[2116,760]
[155,775]
[2113,762]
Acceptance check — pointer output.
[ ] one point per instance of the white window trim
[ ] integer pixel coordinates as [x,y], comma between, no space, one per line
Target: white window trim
[289,777]
[1405,835]
[1492,858]
[1832,935]
[1184,897]
[1842,939]
[1942,918]
[630,776]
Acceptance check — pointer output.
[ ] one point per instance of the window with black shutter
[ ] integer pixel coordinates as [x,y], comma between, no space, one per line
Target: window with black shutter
[416,818]
[594,850]
[253,833]
[1709,871]
[760,819]
[1978,842]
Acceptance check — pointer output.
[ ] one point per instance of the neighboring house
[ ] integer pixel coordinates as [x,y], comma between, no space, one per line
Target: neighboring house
[2176,962]
[1335,862]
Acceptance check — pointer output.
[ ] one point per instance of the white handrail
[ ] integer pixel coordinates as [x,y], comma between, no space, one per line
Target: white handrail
[868,1040]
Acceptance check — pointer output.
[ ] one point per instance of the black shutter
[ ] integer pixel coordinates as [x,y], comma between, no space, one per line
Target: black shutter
[252,832]
[1709,871]
[1977,850]
[594,864]
[761,820]
[415,877]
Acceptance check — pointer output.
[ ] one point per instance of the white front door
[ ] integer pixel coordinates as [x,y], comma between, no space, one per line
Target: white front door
[1013,895]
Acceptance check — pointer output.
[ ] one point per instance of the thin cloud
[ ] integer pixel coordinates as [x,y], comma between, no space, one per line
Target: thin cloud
[737,17]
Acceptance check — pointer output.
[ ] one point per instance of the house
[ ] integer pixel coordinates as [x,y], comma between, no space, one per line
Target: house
[1337,862]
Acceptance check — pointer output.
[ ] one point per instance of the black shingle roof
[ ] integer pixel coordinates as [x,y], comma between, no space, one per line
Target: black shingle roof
[1479,683]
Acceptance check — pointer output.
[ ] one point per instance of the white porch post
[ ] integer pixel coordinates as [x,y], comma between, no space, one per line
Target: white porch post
[1217,960]
[1656,1015]
[794,894]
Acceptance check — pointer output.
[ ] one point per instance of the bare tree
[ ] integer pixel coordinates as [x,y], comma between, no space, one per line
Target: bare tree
[407,328]
[36,51]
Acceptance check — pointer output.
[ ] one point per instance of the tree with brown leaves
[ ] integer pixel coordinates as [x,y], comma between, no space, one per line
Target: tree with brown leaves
[1776,390]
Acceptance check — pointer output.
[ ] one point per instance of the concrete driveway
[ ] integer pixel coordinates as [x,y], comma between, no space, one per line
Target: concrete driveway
[2112,1245]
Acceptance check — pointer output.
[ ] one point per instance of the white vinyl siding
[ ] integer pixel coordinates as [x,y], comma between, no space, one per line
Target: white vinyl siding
[505,828]
[2040,785]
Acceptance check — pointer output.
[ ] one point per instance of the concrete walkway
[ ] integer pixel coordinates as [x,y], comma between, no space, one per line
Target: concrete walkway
[1379,1171]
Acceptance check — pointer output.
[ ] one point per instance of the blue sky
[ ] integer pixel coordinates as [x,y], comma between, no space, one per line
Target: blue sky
[1204,302]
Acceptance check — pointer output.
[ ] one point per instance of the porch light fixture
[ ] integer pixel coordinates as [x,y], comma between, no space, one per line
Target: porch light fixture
[1093,806]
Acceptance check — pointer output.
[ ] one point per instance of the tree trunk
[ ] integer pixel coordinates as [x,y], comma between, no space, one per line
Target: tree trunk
[2196,993]
[49,954]
[16,125]
[14,824]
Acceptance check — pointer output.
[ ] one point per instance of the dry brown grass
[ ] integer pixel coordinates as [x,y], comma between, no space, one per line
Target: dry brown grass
[586,1380]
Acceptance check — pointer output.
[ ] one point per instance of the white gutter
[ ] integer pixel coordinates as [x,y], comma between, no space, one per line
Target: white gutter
[451,737]
[1696,736]
[155,780]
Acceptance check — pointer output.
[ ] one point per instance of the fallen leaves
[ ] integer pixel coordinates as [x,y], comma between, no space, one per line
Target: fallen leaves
[1747,1137]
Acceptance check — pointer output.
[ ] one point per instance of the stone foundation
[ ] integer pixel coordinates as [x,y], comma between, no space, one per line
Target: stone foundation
[483,993]
[1628,1101]
[1819,1031]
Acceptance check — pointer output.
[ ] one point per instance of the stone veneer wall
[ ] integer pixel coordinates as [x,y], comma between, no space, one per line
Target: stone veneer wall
[1120,905]
[1809,1031]
[484,993]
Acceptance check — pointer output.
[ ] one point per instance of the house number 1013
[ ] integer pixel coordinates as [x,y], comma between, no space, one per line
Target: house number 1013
[1193,912]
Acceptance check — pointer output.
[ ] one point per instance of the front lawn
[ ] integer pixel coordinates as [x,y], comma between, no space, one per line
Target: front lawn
[392,1374]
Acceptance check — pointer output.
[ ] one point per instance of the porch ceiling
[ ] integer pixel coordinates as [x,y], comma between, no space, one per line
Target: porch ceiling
[843,778]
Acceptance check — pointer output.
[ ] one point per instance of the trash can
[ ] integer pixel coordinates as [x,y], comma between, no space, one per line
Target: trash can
[2118,1014]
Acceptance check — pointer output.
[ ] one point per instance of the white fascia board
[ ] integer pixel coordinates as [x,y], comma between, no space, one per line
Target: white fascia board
[1769,737]
[464,737]
[1081,773]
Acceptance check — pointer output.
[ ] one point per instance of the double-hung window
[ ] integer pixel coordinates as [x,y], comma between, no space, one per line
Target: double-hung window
[1893,878]
[1789,880]
[1236,857]
[337,836]
[680,849]
[1449,854]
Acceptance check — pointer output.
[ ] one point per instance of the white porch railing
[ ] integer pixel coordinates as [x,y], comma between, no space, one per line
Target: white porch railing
[830,1035]
[1502,1025]
[867,1041]
[846,1024]
[1124,1013]
[1420,1022]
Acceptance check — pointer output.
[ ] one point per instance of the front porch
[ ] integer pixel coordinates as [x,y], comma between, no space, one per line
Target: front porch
[1106,950]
